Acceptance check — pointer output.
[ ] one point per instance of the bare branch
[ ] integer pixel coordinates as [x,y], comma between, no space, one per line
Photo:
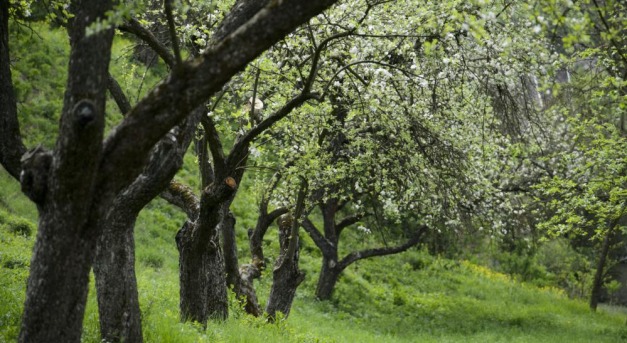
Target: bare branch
[348,221]
[118,95]
[355,256]
[134,27]
[295,102]
[172,28]
[183,197]
[315,234]
[215,144]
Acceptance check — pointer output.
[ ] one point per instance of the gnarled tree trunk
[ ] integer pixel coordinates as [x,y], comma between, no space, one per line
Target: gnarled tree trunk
[116,285]
[69,209]
[202,281]
[286,274]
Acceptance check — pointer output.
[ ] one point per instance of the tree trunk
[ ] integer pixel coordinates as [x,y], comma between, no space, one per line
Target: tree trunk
[239,278]
[597,284]
[114,266]
[202,280]
[116,285]
[11,146]
[329,275]
[229,246]
[58,282]
[70,210]
[286,275]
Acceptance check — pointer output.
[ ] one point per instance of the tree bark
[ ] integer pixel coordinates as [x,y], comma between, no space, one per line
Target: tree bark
[116,285]
[286,275]
[69,209]
[329,275]
[86,173]
[332,267]
[11,146]
[202,276]
[231,263]
[202,281]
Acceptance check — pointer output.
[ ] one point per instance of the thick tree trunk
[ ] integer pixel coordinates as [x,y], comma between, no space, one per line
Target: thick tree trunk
[70,211]
[202,280]
[116,285]
[286,275]
[329,275]
[58,282]
[249,273]
[114,266]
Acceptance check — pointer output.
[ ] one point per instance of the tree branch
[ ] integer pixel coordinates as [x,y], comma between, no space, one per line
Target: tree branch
[322,243]
[348,221]
[295,102]
[241,11]
[215,144]
[134,27]
[298,213]
[359,255]
[126,149]
[172,28]
[118,95]
[183,197]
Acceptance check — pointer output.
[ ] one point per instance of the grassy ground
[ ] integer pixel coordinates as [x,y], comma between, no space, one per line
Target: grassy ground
[412,297]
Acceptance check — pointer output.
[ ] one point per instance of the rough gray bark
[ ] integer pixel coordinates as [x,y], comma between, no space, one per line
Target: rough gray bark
[240,279]
[68,229]
[116,285]
[203,292]
[286,275]
[329,275]
[114,266]
[201,276]
[231,263]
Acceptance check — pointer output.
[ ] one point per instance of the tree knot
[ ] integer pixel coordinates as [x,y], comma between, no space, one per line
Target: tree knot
[34,176]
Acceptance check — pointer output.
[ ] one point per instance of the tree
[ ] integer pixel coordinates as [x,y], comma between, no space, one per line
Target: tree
[584,182]
[411,110]
[77,182]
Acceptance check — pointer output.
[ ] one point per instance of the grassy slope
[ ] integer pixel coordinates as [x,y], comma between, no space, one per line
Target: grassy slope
[405,298]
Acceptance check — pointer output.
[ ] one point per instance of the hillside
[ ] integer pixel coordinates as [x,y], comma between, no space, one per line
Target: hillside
[411,297]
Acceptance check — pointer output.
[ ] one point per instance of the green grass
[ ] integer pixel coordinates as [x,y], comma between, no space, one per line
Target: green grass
[411,297]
